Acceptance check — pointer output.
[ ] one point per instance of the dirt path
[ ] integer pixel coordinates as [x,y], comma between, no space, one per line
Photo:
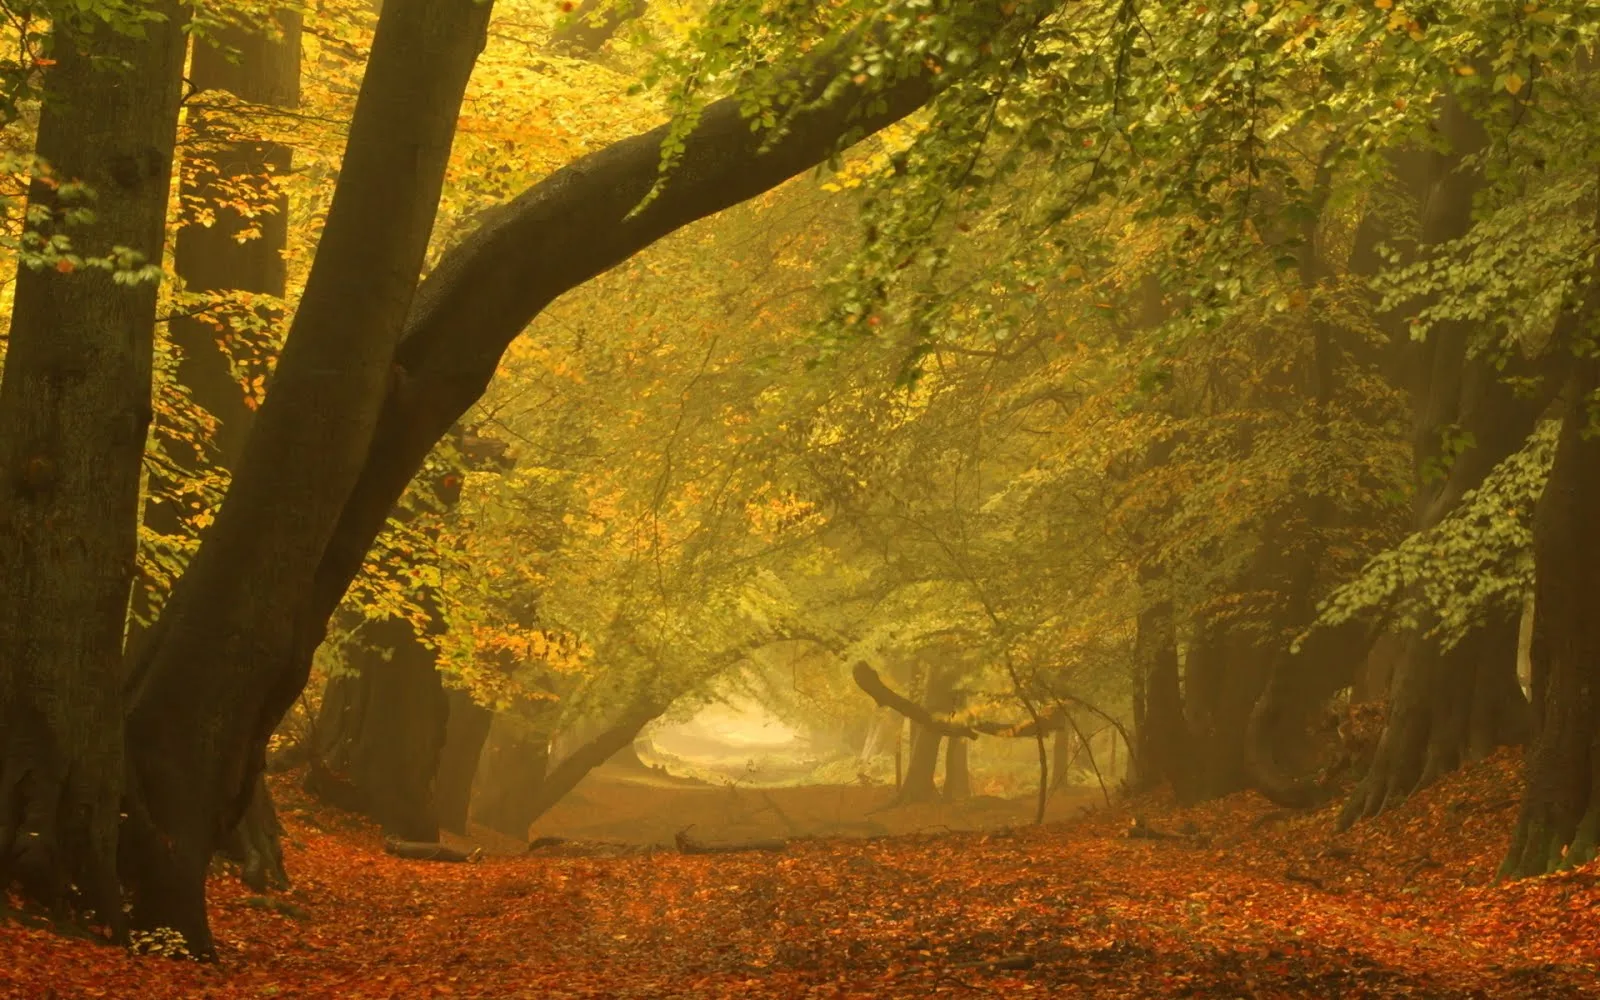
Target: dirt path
[643,809]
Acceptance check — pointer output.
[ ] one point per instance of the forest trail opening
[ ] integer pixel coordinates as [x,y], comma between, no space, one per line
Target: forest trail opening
[1235,900]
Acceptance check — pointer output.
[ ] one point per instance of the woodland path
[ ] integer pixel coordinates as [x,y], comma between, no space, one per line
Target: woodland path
[1253,905]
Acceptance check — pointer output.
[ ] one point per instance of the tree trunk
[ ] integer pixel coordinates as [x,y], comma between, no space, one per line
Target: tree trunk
[382,729]
[1163,735]
[511,776]
[225,657]
[1448,706]
[1064,752]
[1559,825]
[957,778]
[255,843]
[74,409]
[466,730]
[938,700]
[1225,672]
[564,777]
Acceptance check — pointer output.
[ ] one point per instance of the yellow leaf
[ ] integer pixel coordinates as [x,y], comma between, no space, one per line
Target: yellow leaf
[1514,82]
[1251,8]
[1383,4]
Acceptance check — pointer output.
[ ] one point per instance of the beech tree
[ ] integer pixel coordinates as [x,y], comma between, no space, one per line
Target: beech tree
[74,407]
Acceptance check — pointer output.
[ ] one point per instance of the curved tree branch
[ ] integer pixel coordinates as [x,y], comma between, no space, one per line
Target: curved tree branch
[868,680]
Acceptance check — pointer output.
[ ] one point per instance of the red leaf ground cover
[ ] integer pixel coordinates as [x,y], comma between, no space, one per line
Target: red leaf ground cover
[1240,901]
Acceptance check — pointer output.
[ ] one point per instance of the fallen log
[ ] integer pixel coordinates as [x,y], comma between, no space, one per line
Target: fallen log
[416,850]
[688,845]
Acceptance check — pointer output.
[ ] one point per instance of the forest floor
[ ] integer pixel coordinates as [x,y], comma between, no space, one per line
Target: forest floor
[1240,900]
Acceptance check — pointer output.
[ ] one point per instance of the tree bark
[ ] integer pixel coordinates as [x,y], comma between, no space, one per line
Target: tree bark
[1559,824]
[927,732]
[224,656]
[255,843]
[1445,707]
[74,409]
[1064,752]
[957,777]
[466,730]
[511,776]
[383,729]
[1163,735]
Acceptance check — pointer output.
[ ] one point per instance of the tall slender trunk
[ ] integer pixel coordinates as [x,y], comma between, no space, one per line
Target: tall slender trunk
[957,775]
[74,409]
[224,655]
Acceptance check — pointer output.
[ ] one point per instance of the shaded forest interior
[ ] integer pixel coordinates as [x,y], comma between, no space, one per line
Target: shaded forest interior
[678,498]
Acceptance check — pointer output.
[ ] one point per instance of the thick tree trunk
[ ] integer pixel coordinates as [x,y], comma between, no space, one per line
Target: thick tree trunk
[957,777]
[938,700]
[466,730]
[1559,825]
[74,410]
[382,729]
[225,656]
[511,775]
[1445,707]
[1224,674]
[255,844]
[1448,706]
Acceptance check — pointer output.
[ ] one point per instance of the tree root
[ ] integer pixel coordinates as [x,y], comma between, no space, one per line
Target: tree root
[58,838]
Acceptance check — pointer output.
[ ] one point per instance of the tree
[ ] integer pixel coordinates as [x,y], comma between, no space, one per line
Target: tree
[74,408]
[248,632]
